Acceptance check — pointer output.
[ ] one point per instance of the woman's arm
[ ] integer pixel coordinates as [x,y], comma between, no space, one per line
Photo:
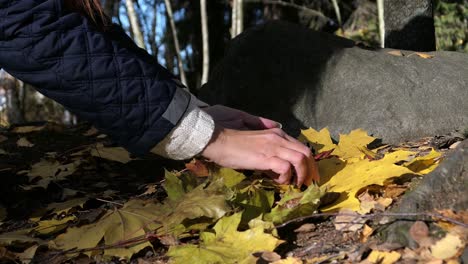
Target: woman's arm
[101,77]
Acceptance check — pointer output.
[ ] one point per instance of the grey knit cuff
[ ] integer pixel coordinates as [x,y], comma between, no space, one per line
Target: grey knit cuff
[190,136]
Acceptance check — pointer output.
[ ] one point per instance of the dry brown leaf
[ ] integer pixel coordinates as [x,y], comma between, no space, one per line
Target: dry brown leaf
[27,129]
[422,55]
[111,153]
[198,168]
[27,256]
[150,189]
[24,142]
[394,191]
[396,53]
[91,132]
[419,232]
[305,228]
[348,220]
[270,256]
[366,233]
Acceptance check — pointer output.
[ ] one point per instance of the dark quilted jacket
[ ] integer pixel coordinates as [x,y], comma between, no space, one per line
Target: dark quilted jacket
[102,77]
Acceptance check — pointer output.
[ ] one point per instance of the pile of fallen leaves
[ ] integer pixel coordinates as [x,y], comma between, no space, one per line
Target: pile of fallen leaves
[207,214]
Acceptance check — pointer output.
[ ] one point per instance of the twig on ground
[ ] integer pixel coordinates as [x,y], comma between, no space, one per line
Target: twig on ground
[417,216]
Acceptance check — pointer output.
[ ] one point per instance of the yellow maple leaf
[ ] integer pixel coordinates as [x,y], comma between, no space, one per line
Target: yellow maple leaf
[350,171]
[349,146]
[424,164]
[383,257]
[319,140]
[225,244]
[357,175]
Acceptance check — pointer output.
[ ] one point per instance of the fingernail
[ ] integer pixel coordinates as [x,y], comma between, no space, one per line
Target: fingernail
[279,125]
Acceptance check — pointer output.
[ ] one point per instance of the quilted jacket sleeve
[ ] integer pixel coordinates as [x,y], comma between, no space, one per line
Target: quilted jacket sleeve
[102,77]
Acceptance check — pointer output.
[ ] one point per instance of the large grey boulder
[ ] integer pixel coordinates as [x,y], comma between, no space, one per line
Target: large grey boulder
[304,78]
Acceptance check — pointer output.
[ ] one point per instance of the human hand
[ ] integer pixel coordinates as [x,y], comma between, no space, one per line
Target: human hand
[236,119]
[267,150]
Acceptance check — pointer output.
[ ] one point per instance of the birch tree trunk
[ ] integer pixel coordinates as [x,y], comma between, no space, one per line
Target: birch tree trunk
[380,10]
[135,24]
[205,39]
[240,16]
[237,18]
[14,113]
[180,64]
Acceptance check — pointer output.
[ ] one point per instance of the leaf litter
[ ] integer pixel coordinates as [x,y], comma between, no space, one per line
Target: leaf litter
[205,214]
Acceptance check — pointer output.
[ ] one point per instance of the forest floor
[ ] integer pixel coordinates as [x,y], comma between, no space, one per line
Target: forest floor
[108,177]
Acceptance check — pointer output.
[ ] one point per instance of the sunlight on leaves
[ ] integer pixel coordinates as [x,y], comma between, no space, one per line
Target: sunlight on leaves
[225,244]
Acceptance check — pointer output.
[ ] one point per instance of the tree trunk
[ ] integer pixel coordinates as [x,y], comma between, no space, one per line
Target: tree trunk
[381,12]
[409,25]
[237,18]
[205,39]
[135,24]
[13,106]
[180,64]
[152,36]
[234,19]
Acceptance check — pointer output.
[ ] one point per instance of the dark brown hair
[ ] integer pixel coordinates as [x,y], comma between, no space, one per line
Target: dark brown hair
[91,9]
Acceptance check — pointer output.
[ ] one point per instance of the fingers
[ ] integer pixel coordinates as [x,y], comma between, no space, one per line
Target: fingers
[305,165]
[299,161]
[282,168]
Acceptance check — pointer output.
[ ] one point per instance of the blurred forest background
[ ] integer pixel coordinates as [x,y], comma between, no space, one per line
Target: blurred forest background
[196,49]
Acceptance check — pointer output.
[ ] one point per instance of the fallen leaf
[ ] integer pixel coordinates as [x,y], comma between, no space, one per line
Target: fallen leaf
[393,191]
[357,175]
[270,256]
[91,132]
[396,53]
[3,138]
[134,220]
[419,232]
[3,152]
[230,177]
[424,164]
[65,207]
[447,247]
[383,257]
[19,236]
[305,228]
[137,218]
[24,142]
[198,168]
[366,233]
[422,55]
[225,244]
[382,203]
[348,220]
[294,205]
[27,129]
[50,171]
[254,199]
[352,144]
[111,153]
[28,255]
[320,141]
[48,227]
